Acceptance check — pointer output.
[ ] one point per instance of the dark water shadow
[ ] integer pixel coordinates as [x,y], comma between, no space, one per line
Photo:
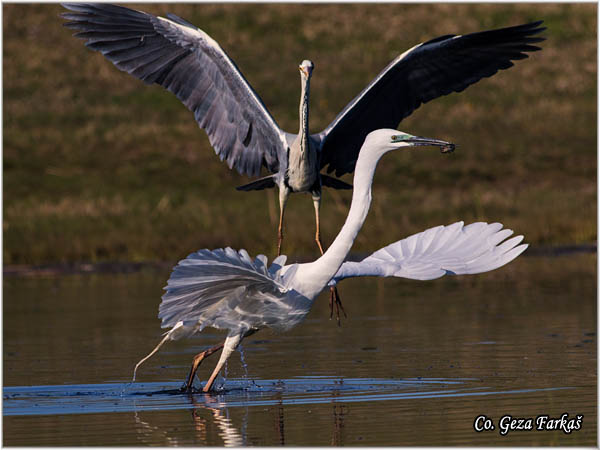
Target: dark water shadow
[122,397]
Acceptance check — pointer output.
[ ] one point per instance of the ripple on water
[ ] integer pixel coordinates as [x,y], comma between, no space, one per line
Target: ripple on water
[122,397]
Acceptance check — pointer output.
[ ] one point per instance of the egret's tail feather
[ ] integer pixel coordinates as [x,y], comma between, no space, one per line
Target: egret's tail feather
[163,340]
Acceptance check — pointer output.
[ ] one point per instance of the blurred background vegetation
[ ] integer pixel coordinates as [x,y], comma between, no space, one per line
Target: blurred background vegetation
[100,167]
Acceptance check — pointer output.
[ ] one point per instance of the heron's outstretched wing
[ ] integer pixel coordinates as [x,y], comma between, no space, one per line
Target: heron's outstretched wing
[427,71]
[189,63]
[454,249]
[208,285]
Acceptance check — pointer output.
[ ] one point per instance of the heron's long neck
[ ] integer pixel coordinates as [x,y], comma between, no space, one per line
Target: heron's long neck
[303,132]
[316,275]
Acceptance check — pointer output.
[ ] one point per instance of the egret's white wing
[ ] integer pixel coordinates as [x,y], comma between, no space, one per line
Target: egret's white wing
[214,286]
[185,60]
[454,249]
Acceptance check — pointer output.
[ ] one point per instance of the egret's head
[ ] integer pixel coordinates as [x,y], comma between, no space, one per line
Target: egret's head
[306,68]
[387,139]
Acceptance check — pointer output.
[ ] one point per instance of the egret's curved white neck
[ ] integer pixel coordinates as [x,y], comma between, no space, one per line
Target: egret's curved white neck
[304,97]
[316,275]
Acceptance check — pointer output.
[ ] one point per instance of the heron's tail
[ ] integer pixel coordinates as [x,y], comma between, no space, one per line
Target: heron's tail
[334,183]
[258,185]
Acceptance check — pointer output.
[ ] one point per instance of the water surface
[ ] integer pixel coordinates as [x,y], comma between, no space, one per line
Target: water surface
[414,363]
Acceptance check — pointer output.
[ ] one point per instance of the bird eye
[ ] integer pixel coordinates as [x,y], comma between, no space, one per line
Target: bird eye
[394,137]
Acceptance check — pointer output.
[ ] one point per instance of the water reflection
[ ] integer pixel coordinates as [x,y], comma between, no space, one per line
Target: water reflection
[207,411]
[230,435]
[279,423]
[339,412]
[204,412]
[520,341]
[153,435]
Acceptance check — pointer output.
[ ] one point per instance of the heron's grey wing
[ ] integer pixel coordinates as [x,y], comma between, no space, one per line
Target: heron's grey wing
[454,249]
[208,285]
[427,71]
[190,64]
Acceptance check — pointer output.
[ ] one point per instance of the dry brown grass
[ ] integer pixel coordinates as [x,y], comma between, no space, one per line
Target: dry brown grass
[98,166]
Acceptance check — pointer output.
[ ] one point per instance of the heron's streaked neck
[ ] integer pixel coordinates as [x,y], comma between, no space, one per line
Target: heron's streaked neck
[304,98]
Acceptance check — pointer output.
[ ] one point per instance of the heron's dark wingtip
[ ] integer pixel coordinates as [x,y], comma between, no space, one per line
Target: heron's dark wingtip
[175,18]
[78,7]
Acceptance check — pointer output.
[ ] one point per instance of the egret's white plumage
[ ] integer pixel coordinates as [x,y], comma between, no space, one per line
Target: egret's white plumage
[455,249]
[227,289]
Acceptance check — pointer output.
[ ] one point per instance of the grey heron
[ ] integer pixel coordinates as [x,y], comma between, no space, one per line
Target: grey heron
[188,62]
[228,290]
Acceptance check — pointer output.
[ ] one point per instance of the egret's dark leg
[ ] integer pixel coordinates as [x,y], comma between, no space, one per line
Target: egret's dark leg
[334,299]
[334,296]
[284,193]
[196,363]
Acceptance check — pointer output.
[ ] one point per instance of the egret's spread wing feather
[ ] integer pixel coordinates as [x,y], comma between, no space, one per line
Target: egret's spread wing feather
[454,249]
[219,288]
[427,71]
[186,61]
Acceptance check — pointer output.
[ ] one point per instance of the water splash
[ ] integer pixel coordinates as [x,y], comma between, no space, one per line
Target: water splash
[126,386]
[223,378]
[243,360]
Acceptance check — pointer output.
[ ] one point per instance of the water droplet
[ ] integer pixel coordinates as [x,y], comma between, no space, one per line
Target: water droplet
[243,360]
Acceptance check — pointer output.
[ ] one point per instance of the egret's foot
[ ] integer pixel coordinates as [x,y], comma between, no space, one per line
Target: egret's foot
[185,389]
[334,299]
[189,383]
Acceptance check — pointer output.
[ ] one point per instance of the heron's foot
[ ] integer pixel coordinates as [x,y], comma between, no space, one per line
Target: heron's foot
[334,299]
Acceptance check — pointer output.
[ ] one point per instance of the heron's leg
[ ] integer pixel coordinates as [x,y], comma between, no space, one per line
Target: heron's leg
[317,204]
[284,193]
[196,363]
[229,346]
[334,296]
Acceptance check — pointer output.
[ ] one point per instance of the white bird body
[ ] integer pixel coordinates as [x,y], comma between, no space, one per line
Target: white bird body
[226,289]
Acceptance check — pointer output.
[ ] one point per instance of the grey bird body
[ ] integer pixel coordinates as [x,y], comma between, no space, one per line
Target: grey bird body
[302,175]
[303,155]
[183,59]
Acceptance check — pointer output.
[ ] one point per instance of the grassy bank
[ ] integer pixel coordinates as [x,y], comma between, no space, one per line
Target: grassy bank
[98,166]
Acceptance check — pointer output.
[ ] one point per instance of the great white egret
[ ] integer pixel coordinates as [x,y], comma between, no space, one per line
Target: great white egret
[188,62]
[226,289]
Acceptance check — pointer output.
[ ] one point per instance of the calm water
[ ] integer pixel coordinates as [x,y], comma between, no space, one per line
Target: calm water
[414,364]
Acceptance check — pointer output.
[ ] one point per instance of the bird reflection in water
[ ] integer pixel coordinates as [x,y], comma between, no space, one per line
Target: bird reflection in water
[153,435]
[209,413]
[230,435]
[339,413]
[279,422]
